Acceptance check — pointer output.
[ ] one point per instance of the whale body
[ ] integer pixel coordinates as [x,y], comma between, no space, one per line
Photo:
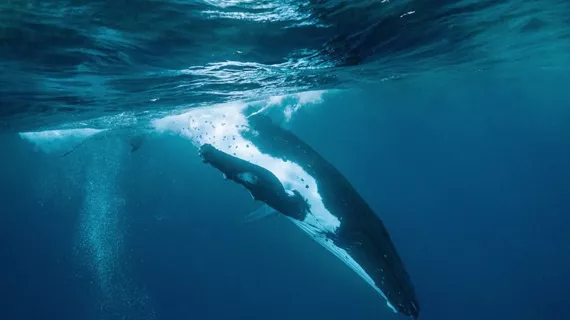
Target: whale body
[332,212]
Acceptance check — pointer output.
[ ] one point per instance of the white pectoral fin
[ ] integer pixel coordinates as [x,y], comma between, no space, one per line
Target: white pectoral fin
[260,213]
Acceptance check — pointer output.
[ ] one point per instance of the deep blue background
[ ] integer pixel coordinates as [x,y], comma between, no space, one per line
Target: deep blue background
[472,182]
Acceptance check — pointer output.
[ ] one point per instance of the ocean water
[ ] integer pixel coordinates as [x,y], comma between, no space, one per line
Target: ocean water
[450,118]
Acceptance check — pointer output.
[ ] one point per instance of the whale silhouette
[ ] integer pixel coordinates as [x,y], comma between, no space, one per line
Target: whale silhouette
[332,212]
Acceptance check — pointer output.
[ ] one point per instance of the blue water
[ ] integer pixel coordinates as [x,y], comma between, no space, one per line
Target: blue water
[452,122]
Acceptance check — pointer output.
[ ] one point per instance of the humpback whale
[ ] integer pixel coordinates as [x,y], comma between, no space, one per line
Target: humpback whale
[330,210]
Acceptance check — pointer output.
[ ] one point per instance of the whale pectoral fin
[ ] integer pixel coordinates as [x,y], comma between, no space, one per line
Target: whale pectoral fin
[260,213]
